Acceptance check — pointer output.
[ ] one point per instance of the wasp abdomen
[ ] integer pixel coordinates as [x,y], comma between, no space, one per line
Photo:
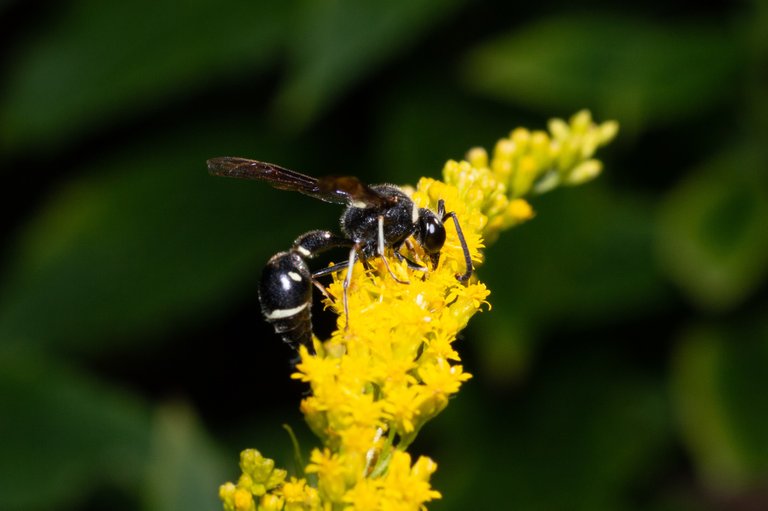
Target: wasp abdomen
[285,293]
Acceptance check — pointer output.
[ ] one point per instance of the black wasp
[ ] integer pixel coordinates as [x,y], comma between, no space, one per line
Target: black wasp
[376,217]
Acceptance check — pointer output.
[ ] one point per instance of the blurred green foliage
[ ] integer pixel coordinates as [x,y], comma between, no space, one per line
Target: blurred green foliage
[623,365]
[642,72]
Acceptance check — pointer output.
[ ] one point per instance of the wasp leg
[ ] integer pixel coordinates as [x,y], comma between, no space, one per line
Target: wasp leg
[348,280]
[337,267]
[411,264]
[381,252]
[321,288]
[313,243]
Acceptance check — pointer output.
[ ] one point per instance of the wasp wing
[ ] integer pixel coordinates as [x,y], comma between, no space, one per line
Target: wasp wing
[278,177]
[336,189]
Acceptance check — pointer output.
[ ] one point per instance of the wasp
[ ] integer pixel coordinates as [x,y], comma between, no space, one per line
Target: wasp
[375,218]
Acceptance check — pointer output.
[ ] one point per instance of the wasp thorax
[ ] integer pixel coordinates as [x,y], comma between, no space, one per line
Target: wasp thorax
[361,225]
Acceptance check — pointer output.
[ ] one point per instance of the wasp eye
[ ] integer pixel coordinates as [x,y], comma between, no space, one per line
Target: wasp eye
[432,232]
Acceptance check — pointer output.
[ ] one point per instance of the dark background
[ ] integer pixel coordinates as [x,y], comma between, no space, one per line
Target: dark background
[623,366]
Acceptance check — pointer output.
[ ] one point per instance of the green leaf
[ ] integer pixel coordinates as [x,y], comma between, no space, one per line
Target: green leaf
[585,256]
[340,42]
[63,435]
[101,60]
[622,68]
[713,240]
[185,469]
[423,124]
[146,241]
[719,379]
[584,430]
[508,345]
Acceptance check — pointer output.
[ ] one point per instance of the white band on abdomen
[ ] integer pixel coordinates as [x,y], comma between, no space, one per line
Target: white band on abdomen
[285,313]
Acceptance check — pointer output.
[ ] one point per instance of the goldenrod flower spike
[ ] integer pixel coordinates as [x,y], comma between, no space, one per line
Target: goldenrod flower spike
[375,383]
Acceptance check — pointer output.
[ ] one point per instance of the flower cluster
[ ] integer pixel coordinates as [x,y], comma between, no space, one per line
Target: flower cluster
[391,366]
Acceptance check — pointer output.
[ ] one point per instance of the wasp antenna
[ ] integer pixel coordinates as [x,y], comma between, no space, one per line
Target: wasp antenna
[467,258]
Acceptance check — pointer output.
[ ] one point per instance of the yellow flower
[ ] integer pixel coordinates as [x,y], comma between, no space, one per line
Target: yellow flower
[391,365]
[331,471]
[271,502]
[317,369]
[244,501]
[365,496]
[402,402]
[442,378]
[299,496]
[404,488]
[236,499]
